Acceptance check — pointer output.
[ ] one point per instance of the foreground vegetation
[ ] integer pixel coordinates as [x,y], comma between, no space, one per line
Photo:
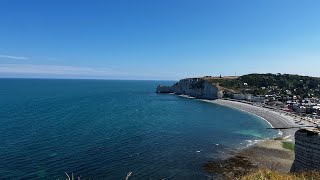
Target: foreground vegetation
[71,177]
[288,145]
[265,174]
[261,174]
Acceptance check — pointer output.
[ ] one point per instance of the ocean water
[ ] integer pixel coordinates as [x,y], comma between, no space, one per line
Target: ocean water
[102,129]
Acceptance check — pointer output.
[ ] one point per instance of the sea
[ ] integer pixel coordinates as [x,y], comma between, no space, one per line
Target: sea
[104,129]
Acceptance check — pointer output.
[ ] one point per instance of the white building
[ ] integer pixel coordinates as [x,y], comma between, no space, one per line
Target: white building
[239,96]
[248,97]
[257,99]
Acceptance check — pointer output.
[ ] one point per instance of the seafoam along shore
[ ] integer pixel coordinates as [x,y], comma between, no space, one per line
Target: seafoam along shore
[276,119]
[265,154]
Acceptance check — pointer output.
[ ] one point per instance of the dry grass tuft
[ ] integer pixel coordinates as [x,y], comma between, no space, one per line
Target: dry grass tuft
[72,177]
[128,175]
[266,174]
[260,174]
[79,178]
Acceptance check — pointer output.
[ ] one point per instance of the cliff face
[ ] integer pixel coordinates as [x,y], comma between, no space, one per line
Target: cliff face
[307,151]
[195,87]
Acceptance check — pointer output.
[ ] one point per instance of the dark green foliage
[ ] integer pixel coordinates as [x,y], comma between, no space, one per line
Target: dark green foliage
[288,145]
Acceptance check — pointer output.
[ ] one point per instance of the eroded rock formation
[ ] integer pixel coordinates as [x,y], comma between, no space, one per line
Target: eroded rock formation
[307,151]
[195,87]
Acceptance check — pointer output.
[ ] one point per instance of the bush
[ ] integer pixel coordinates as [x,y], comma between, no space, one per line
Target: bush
[288,145]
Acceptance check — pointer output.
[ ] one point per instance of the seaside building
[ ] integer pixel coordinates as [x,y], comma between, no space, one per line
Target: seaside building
[239,96]
[302,109]
[248,97]
[260,99]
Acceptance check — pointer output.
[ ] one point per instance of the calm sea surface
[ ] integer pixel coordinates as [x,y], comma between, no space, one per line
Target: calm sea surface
[102,129]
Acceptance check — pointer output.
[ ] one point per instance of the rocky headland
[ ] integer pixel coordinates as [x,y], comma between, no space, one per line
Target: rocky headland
[194,87]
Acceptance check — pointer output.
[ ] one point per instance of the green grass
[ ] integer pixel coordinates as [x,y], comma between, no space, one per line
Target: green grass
[288,145]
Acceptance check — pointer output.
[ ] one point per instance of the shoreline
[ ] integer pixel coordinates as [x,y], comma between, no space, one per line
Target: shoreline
[274,119]
[269,154]
[237,108]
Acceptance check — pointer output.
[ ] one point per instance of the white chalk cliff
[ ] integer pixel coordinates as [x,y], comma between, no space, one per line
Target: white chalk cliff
[195,87]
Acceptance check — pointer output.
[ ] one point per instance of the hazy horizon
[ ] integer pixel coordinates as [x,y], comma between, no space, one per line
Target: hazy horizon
[119,79]
[167,40]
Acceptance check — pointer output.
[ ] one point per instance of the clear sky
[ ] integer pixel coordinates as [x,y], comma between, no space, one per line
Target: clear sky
[158,39]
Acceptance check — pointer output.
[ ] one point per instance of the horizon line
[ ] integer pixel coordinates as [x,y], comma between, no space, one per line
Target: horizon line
[112,79]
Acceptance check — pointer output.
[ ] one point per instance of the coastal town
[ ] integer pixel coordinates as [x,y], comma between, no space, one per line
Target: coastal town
[294,95]
[307,109]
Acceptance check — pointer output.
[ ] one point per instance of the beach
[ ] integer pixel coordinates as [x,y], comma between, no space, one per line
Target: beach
[265,154]
[268,154]
[275,119]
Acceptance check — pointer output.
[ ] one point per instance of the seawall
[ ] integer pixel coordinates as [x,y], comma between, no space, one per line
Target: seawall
[307,151]
[195,87]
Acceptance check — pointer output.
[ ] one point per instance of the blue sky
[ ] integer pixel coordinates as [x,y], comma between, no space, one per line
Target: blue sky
[167,39]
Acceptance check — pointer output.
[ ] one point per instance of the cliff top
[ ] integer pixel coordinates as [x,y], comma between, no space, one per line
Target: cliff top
[314,131]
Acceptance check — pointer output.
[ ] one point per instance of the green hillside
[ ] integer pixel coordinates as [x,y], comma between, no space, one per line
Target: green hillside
[262,84]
